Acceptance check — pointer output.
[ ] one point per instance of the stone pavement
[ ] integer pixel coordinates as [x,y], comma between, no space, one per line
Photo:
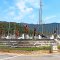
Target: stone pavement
[17,57]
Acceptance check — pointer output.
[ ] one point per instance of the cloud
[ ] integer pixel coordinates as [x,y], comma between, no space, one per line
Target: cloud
[34,3]
[29,10]
[21,5]
[21,10]
[50,17]
[11,13]
[32,17]
[24,10]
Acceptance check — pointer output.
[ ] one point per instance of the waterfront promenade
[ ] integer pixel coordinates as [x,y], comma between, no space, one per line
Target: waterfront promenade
[29,57]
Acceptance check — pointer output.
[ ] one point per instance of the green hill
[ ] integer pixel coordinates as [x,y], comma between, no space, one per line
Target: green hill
[47,28]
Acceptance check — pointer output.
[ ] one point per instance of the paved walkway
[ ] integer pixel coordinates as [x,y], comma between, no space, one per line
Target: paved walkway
[17,57]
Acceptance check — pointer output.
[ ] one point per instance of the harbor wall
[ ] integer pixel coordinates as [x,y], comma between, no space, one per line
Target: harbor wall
[26,42]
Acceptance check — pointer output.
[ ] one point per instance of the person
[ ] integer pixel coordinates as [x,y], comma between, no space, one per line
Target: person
[34,31]
[55,33]
[43,36]
[26,29]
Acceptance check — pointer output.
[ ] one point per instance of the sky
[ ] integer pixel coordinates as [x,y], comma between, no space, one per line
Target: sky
[27,11]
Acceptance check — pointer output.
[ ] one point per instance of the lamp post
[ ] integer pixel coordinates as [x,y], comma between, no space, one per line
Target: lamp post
[40,16]
[9,29]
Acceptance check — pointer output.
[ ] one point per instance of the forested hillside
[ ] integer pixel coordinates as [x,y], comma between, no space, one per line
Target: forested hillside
[19,27]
